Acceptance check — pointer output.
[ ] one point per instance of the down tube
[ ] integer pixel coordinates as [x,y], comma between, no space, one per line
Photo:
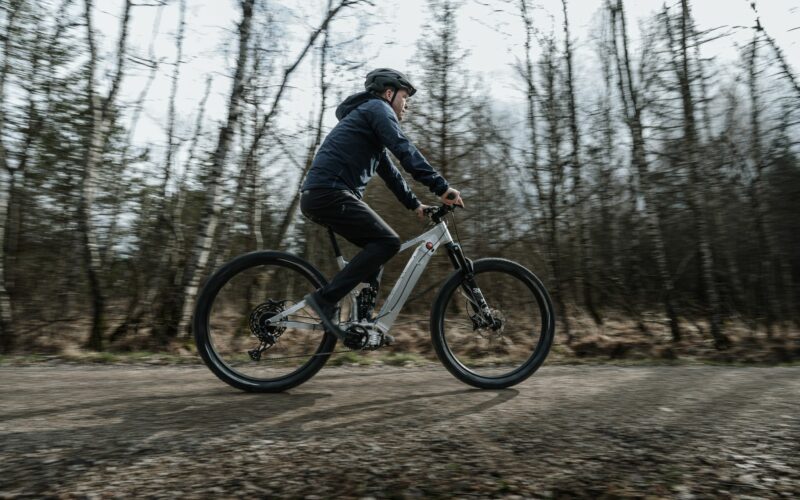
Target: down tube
[405,284]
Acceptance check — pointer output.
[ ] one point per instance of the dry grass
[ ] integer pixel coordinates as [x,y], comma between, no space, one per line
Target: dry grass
[618,339]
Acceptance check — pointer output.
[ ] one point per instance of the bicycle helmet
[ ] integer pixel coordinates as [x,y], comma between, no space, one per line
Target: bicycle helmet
[380,79]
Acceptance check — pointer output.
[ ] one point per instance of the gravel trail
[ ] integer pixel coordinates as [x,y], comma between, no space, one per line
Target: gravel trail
[75,431]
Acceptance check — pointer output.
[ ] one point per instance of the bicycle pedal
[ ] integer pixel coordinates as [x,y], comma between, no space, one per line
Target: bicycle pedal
[377,340]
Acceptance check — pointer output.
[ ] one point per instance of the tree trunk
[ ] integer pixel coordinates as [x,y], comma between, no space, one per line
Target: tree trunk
[697,185]
[211,210]
[7,334]
[91,251]
[100,112]
[552,113]
[632,109]
[159,288]
[757,193]
[584,247]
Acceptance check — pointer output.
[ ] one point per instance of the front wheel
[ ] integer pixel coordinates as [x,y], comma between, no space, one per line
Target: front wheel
[506,342]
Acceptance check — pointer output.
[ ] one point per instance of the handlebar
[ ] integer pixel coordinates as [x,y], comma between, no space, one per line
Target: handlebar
[438,213]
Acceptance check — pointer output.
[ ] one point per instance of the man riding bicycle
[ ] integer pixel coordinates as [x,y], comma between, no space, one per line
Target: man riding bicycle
[369,124]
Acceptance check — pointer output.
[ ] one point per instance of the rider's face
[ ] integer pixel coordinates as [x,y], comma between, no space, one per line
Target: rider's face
[400,103]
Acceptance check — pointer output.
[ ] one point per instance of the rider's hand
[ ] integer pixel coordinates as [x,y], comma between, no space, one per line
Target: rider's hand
[420,211]
[452,197]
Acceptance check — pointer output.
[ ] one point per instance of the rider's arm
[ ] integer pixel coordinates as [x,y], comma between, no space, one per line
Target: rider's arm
[384,122]
[394,180]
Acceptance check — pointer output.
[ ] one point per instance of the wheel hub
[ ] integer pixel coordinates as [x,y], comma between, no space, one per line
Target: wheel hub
[493,326]
[258,321]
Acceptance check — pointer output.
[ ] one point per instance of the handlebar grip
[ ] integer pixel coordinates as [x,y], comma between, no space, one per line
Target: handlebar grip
[451,196]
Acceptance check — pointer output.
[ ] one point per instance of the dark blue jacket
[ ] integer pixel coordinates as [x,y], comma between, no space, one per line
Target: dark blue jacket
[356,149]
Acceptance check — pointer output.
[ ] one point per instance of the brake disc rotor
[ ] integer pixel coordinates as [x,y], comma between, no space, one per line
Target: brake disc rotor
[490,331]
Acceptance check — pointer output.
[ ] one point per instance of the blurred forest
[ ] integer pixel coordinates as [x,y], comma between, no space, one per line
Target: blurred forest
[663,205]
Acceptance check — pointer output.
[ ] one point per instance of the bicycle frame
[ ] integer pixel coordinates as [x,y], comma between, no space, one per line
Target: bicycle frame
[428,241]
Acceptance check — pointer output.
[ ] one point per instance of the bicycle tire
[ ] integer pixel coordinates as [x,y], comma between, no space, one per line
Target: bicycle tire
[455,344]
[295,268]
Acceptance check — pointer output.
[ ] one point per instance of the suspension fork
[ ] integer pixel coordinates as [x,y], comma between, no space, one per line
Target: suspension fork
[469,285]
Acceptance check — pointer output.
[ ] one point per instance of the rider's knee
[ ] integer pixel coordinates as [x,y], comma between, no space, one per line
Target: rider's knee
[392,245]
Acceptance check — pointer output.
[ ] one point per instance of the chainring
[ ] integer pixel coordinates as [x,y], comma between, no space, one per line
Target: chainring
[357,337]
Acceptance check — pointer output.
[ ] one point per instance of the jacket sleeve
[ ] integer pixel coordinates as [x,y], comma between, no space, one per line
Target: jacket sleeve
[384,122]
[394,180]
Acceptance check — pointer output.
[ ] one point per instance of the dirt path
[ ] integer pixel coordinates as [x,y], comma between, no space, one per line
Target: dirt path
[401,432]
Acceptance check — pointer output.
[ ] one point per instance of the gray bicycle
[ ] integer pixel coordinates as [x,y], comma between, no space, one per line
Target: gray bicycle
[492,322]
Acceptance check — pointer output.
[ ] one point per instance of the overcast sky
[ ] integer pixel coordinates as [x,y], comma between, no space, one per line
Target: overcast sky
[492,37]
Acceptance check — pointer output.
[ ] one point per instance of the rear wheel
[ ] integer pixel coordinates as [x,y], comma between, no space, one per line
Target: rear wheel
[232,334]
[500,349]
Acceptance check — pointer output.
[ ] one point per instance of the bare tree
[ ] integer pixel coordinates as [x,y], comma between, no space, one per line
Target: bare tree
[584,246]
[263,127]
[7,335]
[633,107]
[101,115]
[119,184]
[440,119]
[613,280]
[291,212]
[758,193]
[266,121]
[698,192]
[786,69]
[527,73]
[197,263]
[553,117]
[212,205]
[159,283]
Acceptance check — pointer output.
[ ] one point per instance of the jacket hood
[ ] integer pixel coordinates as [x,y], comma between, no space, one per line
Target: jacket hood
[352,103]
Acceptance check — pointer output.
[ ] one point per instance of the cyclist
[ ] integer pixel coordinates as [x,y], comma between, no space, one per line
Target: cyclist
[369,124]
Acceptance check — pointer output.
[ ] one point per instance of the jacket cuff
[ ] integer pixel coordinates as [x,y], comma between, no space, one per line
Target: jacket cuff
[441,189]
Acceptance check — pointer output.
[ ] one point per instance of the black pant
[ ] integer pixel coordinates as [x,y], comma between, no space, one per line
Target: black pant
[351,218]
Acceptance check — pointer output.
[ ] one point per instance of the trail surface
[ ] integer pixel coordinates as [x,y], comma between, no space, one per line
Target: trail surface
[101,431]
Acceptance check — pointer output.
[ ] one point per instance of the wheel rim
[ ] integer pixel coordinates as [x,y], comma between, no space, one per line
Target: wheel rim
[496,353]
[242,303]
